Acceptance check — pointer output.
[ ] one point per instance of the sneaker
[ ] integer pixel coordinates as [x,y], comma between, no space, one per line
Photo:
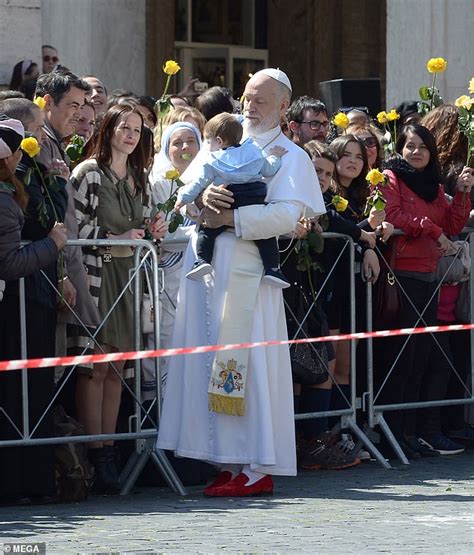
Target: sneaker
[200,268]
[275,278]
[442,444]
[464,434]
[318,455]
[420,448]
[410,453]
[346,445]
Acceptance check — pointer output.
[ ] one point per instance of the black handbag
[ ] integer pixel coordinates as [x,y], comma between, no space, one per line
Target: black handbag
[309,363]
[387,297]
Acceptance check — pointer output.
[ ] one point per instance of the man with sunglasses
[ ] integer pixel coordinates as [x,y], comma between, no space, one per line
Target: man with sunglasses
[50,57]
[358,115]
[307,120]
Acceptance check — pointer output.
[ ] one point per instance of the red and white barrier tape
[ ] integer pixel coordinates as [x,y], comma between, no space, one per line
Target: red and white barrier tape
[134,355]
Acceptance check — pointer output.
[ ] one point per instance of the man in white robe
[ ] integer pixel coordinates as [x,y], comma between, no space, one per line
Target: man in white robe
[250,448]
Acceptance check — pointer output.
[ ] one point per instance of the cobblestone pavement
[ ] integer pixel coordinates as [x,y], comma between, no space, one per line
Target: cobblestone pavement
[427,507]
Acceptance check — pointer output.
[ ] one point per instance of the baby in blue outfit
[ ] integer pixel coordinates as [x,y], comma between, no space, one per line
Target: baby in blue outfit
[241,167]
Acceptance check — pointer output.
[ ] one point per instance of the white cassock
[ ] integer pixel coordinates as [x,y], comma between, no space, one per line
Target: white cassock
[264,437]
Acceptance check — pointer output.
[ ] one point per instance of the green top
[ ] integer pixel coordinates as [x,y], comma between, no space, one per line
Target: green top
[119,209]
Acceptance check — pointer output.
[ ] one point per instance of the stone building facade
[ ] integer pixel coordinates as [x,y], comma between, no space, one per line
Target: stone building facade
[124,42]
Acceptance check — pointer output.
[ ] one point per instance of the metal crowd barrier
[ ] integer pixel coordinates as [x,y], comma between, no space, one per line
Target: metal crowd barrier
[144,438]
[375,412]
[347,415]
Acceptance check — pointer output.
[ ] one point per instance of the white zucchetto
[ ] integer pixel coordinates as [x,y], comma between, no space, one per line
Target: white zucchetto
[277,74]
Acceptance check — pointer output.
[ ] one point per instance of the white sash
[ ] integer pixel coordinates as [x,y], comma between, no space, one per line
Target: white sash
[228,382]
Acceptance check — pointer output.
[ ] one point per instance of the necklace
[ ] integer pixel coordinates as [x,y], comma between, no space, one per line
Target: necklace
[271,140]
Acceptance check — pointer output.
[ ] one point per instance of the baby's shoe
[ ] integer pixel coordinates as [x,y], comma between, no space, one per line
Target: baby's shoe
[200,268]
[275,278]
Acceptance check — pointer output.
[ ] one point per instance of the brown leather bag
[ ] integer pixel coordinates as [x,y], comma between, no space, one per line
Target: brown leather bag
[387,297]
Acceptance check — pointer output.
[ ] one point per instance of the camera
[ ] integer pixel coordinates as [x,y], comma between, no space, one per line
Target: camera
[200,86]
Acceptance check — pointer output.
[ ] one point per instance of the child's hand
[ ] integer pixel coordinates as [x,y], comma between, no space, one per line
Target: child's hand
[278,151]
[179,204]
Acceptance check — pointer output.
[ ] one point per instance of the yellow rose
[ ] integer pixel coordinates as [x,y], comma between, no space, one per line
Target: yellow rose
[392,115]
[436,65]
[341,120]
[339,203]
[171,67]
[31,146]
[40,102]
[172,174]
[374,177]
[471,86]
[464,101]
[382,117]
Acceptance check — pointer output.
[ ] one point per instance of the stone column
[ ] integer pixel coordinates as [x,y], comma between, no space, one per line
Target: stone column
[418,31]
[20,35]
[160,31]
[99,37]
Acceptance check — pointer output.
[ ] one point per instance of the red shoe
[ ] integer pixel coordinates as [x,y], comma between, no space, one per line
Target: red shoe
[223,478]
[237,487]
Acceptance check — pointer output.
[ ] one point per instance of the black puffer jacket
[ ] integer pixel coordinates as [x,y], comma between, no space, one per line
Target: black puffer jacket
[16,262]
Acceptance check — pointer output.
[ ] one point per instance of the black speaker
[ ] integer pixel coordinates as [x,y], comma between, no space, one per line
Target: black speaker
[347,93]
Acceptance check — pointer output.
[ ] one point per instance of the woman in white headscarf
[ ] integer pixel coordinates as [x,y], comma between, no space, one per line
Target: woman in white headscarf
[180,145]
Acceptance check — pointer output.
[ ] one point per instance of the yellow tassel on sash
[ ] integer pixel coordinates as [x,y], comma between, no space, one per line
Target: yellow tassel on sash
[227,405]
[236,327]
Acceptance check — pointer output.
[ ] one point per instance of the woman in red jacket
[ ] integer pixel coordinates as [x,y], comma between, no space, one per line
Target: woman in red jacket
[416,204]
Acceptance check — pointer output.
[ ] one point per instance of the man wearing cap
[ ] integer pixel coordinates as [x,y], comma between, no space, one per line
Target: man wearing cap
[235,408]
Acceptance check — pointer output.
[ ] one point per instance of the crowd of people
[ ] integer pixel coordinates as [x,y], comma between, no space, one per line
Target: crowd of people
[254,192]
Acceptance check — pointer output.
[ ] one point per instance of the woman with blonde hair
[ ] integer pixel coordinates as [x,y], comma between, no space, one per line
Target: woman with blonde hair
[180,113]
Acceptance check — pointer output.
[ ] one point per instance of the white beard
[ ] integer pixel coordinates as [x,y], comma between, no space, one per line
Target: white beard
[254,129]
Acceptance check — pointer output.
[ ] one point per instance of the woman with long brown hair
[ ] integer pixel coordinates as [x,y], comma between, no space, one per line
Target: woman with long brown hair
[351,184]
[372,140]
[451,144]
[112,201]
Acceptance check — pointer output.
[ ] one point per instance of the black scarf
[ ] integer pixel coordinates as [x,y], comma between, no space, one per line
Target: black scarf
[423,183]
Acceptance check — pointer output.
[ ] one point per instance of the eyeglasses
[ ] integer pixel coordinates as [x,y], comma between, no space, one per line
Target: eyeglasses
[370,142]
[53,59]
[316,125]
